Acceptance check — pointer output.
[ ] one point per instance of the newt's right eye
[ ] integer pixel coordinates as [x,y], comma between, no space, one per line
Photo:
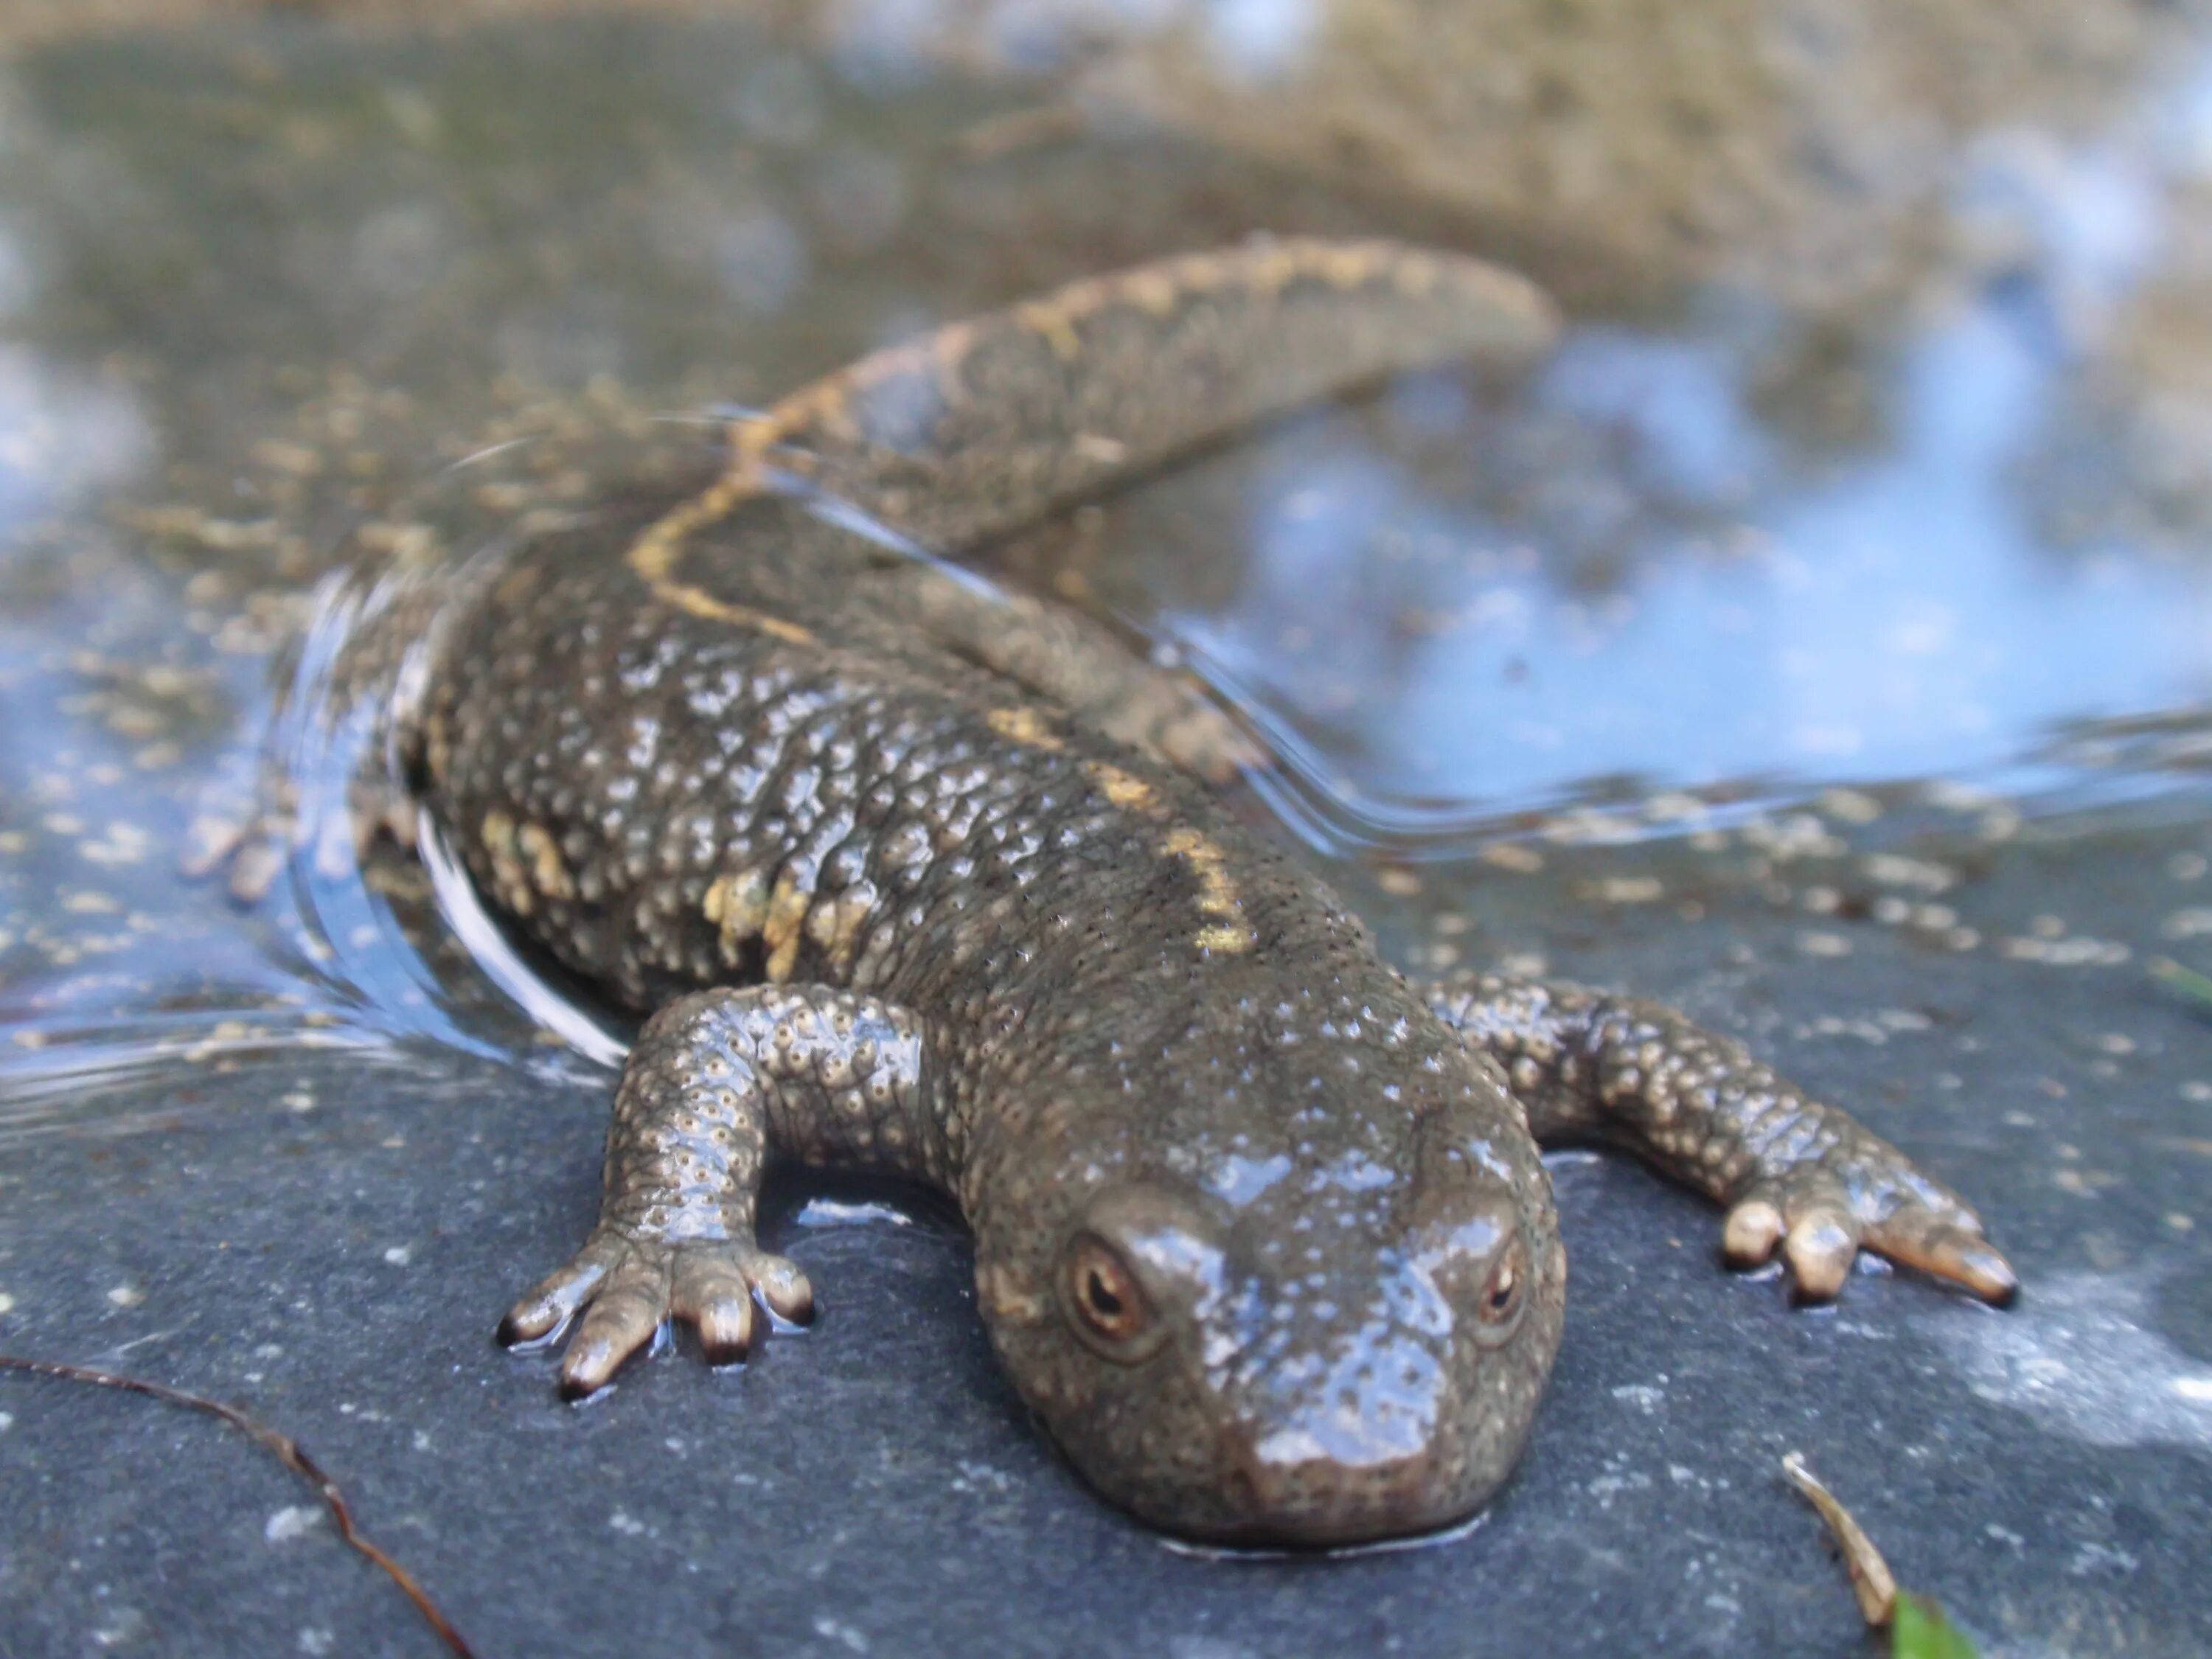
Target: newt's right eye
[1109,1306]
[1505,1292]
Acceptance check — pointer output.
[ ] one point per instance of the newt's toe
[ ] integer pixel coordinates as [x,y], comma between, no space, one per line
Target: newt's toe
[622,1317]
[713,1293]
[1947,1248]
[554,1302]
[1754,1228]
[1822,1244]
[783,1286]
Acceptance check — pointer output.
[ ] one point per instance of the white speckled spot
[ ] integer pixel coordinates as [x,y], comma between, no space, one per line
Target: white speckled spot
[625,1523]
[398,1255]
[836,1632]
[126,1295]
[7,1303]
[290,1523]
[126,1627]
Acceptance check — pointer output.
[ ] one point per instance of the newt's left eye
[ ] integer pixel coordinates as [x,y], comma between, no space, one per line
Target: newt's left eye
[1109,1306]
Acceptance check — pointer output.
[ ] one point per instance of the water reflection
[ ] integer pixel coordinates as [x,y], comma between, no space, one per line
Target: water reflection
[1698,604]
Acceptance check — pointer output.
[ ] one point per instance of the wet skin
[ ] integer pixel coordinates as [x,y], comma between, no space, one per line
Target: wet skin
[911,879]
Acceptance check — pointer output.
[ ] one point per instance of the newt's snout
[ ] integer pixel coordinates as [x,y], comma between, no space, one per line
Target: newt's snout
[1378,1462]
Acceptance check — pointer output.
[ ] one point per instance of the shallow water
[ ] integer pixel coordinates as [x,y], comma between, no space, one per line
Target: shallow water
[1664,567]
[1836,666]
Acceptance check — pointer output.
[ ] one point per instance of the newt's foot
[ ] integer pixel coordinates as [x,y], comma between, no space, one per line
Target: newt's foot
[1821,1218]
[627,1284]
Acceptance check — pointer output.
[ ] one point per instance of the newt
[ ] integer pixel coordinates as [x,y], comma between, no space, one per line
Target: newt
[906,879]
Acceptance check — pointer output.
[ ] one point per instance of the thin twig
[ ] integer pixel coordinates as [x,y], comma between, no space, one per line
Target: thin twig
[288,1451]
[1870,1575]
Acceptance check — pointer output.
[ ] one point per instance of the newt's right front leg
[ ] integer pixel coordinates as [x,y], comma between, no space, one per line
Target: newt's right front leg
[717,1080]
[1796,1175]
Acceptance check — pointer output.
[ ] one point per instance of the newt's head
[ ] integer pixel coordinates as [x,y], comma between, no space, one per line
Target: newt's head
[1305,1289]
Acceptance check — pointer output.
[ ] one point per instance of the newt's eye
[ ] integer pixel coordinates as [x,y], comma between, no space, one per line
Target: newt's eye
[1506,1291]
[1109,1306]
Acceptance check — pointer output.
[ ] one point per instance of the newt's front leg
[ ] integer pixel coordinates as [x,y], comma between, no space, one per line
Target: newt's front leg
[717,1080]
[1795,1174]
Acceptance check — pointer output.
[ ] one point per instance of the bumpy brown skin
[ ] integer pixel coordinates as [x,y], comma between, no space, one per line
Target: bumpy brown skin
[1260,1230]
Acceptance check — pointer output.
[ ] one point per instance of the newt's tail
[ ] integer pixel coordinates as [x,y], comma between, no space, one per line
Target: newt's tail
[985,425]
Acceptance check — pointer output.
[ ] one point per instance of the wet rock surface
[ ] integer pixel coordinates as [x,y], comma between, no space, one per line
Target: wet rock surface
[263,280]
[337,1269]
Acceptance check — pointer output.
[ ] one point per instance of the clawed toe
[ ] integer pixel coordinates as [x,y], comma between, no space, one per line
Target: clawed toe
[783,1286]
[1946,1250]
[712,1292]
[546,1310]
[1820,1245]
[1754,1228]
[622,1318]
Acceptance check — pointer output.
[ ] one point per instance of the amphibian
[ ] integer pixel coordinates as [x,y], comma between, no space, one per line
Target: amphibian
[908,879]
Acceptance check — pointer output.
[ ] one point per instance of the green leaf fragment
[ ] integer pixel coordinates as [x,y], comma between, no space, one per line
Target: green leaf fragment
[1918,1630]
[2185,980]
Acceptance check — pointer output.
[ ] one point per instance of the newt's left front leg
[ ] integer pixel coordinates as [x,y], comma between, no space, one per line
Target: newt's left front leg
[1795,1174]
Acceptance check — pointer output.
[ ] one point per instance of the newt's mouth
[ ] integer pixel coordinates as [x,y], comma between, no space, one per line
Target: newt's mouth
[1320,1505]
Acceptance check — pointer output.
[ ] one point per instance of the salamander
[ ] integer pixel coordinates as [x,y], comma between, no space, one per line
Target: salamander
[905,877]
